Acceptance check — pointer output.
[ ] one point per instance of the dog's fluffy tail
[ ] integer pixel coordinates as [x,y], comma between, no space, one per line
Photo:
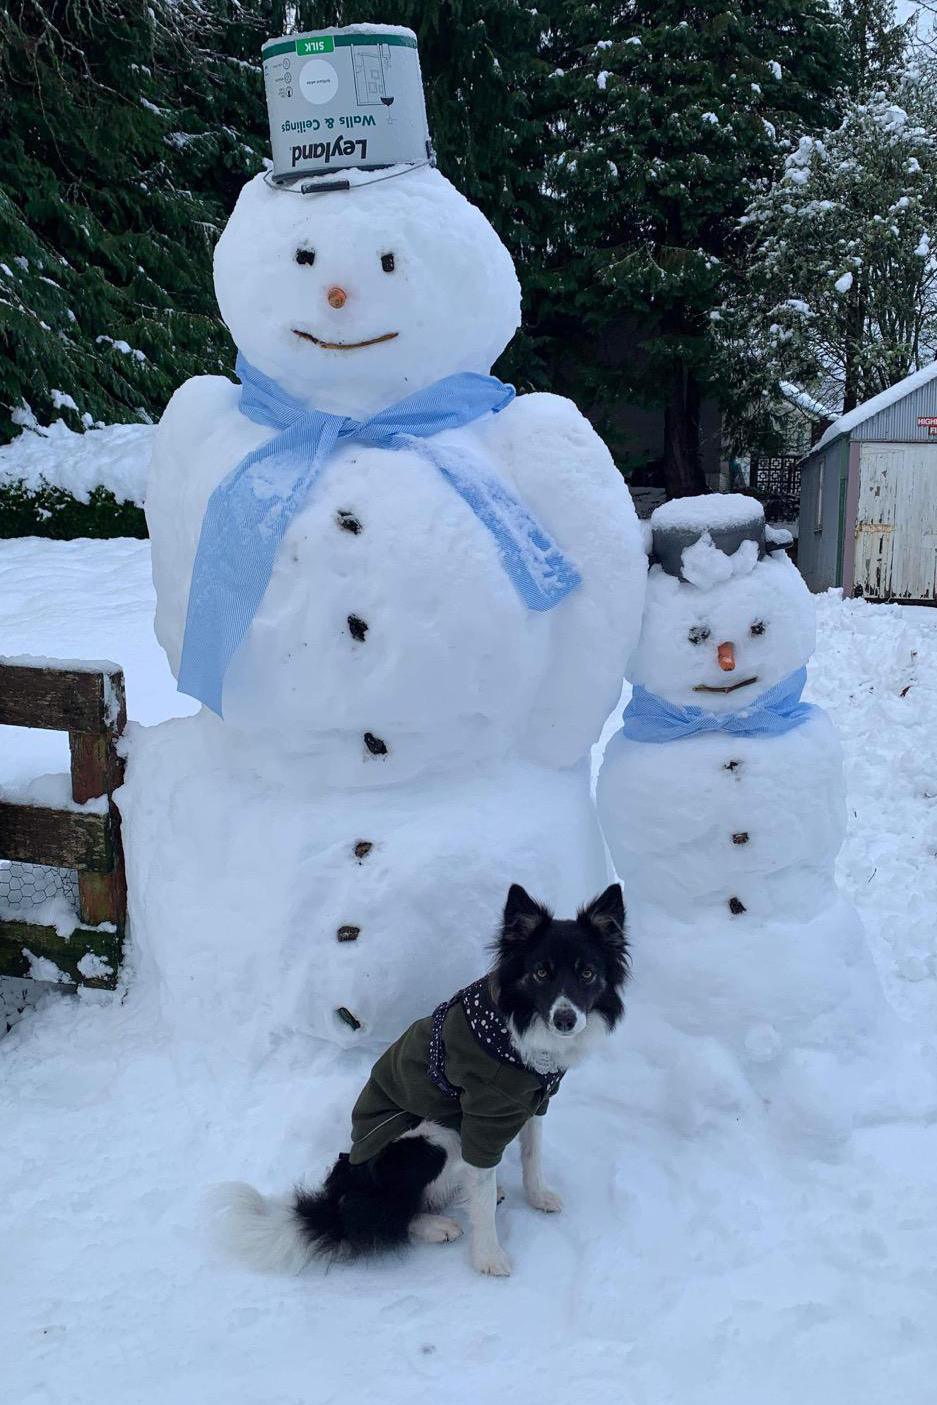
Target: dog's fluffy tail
[264,1232]
[359,1210]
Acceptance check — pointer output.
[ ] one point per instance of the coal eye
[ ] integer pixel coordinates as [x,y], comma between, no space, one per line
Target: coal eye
[698,634]
[387,263]
[540,973]
[305,256]
[587,975]
[758,627]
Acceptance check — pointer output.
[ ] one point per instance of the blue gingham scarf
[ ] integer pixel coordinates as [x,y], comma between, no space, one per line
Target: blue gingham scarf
[251,509]
[649,718]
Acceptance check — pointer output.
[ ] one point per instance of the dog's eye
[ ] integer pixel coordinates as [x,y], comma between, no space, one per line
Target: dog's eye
[387,263]
[305,255]
[540,973]
[758,627]
[587,975]
[698,634]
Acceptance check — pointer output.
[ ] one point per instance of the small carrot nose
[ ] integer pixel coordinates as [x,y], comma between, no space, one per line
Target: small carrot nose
[726,656]
[337,297]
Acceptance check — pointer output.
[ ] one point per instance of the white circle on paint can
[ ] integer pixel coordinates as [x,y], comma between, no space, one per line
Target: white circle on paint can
[318,81]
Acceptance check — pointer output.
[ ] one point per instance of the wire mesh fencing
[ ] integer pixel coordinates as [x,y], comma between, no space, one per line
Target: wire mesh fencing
[26,886]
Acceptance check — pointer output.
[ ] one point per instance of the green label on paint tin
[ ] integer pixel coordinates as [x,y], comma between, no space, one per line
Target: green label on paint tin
[323,45]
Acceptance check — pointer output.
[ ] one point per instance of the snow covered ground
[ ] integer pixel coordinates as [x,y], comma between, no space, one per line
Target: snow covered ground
[701,1259]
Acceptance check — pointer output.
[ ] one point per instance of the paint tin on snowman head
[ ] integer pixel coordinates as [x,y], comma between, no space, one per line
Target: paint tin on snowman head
[340,98]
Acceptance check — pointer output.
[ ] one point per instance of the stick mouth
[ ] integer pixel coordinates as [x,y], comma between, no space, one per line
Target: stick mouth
[344,345]
[729,687]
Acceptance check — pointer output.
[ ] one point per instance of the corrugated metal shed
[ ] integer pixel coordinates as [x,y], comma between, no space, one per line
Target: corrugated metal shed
[892,416]
[868,517]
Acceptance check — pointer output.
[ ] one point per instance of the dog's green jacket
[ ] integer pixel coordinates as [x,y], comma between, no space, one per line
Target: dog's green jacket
[495,1099]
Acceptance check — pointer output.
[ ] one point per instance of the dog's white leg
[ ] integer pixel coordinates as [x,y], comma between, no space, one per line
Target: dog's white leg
[486,1253]
[434,1229]
[532,1168]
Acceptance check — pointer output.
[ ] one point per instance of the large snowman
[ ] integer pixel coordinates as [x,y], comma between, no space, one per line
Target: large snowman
[440,625]
[721,799]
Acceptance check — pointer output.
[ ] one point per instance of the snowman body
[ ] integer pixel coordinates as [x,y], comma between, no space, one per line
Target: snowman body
[740,826]
[393,678]
[727,842]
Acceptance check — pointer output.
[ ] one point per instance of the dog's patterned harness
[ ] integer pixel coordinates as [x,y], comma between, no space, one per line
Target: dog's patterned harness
[487,1024]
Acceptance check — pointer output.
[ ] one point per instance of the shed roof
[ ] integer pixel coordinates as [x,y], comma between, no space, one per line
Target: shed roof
[883,401]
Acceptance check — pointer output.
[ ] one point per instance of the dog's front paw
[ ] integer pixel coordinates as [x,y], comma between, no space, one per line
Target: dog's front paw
[492,1261]
[546,1200]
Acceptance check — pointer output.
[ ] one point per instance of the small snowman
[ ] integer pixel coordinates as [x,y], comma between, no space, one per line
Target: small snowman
[410,592]
[722,804]
[726,767]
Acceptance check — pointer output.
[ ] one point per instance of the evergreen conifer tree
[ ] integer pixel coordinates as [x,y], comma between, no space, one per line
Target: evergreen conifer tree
[129,126]
[677,114]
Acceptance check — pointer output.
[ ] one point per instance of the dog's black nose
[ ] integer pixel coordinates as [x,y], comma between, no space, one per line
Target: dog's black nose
[564,1019]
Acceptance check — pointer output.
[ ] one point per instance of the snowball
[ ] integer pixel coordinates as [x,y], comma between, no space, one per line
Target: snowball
[704,565]
[843,283]
[668,662]
[238,899]
[451,303]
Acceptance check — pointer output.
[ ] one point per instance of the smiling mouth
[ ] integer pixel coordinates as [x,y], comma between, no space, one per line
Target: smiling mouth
[729,687]
[344,345]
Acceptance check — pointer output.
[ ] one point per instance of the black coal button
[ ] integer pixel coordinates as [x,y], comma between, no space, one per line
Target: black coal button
[357,628]
[736,906]
[375,745]
[348,522]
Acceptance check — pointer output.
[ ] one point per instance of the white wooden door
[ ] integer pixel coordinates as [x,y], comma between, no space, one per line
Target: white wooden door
[896,524]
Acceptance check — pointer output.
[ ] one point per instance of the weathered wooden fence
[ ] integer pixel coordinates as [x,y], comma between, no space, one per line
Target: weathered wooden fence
[88,703]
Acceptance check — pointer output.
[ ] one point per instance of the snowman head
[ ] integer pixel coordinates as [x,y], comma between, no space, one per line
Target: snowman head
[720,626]
[353,299]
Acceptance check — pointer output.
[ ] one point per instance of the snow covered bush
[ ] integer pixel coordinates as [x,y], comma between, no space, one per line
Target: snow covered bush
[56,483]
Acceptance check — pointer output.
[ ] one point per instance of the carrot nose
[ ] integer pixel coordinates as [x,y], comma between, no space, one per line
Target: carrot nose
[726,656]
[337,297]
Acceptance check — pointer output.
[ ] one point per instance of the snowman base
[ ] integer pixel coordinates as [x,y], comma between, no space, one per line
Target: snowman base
[279,908]
[780,1023]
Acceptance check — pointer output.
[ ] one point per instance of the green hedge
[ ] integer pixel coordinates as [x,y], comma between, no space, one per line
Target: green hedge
[51,512]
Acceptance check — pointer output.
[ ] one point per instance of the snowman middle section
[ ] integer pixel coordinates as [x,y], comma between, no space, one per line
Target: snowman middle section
[715,826]
[390,642]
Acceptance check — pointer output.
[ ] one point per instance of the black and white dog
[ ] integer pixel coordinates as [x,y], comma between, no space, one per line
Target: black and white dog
[443,1101]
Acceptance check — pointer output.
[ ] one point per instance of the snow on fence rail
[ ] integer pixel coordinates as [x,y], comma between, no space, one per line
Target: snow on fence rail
[87,701]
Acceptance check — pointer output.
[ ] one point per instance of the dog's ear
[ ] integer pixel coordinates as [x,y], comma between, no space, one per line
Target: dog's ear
[522,915]
[606,914]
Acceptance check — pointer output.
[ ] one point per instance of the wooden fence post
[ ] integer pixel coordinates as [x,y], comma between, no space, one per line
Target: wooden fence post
[87,701]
